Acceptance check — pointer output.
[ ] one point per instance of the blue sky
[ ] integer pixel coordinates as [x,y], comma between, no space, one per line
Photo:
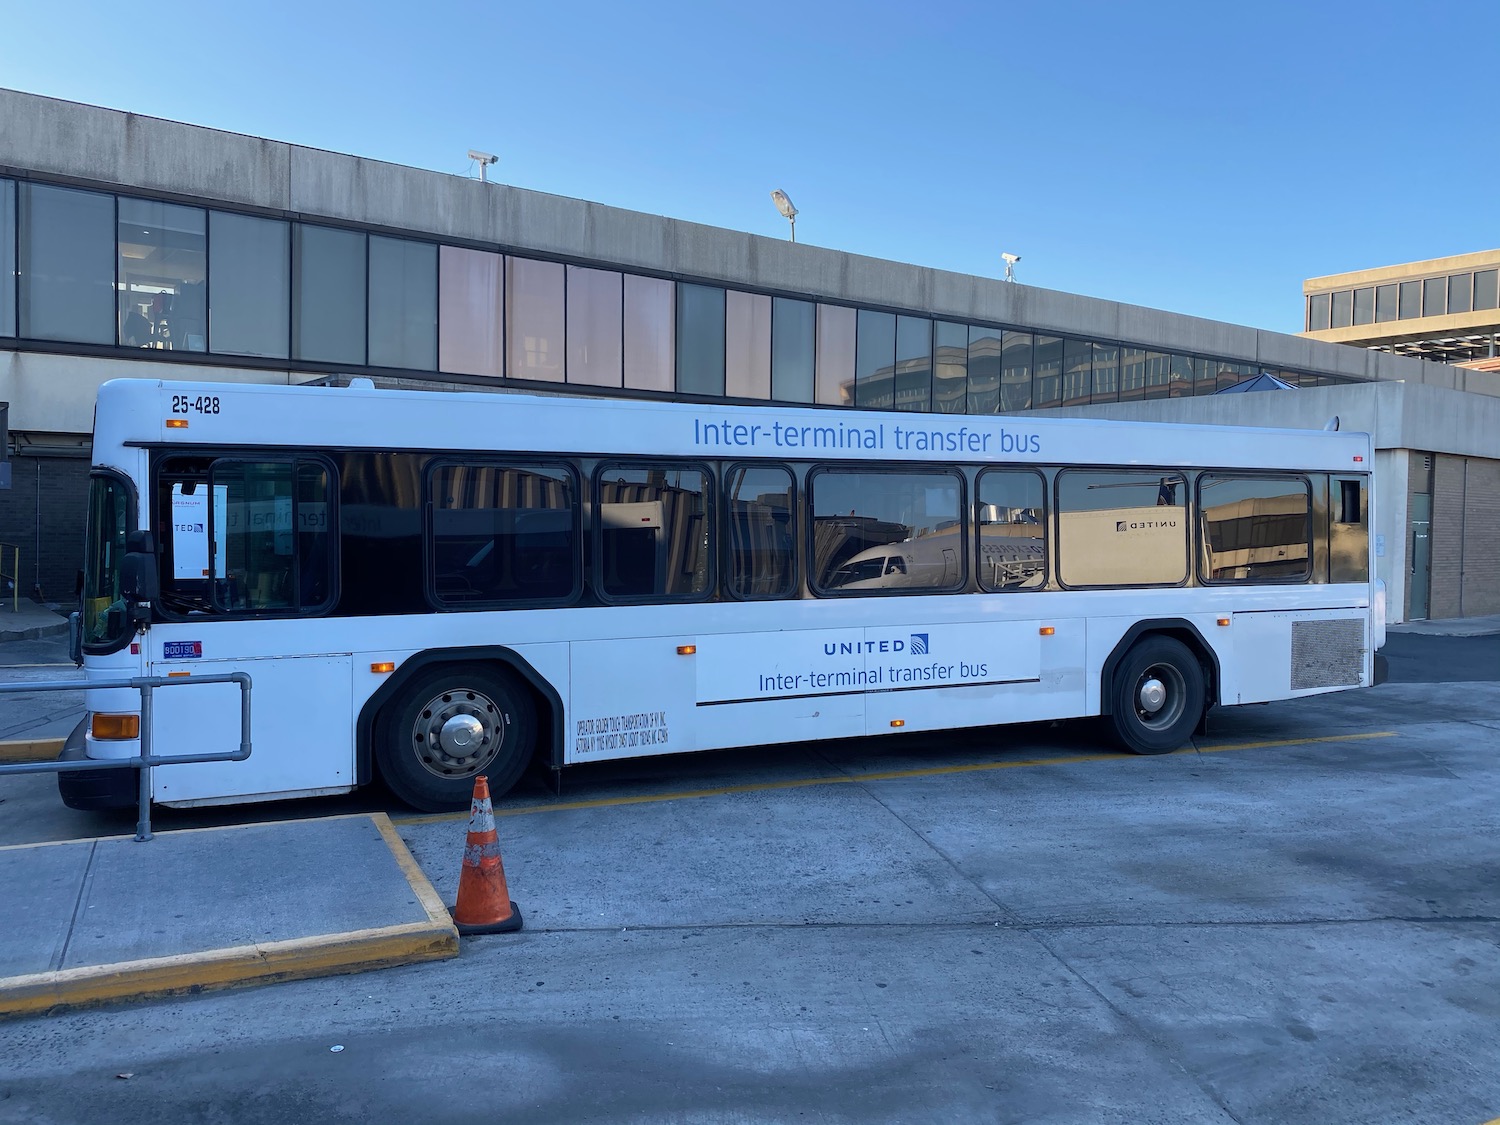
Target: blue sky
[1203,158]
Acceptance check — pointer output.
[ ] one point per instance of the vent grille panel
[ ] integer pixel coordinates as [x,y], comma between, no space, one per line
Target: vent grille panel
[1327,653]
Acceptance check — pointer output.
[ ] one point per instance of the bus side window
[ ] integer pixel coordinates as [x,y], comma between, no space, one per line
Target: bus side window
[271,534]
[762,542]
[1348,531]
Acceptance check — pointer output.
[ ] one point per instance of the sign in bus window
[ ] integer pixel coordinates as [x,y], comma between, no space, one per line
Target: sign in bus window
[653,531]
[1121,528]
[877,531]
[1012,530]
[503,533]
[1255,529]
[762,537]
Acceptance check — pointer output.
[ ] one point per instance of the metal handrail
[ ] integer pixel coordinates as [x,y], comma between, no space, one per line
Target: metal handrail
[143,762]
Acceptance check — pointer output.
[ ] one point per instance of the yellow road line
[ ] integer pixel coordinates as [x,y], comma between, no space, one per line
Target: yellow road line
[889,775]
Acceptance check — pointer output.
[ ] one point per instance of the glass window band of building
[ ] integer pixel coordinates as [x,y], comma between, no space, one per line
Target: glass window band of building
[253,300]
[1404,299]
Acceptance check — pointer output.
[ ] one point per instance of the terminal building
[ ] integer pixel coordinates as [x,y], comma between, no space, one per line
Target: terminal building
[133,246]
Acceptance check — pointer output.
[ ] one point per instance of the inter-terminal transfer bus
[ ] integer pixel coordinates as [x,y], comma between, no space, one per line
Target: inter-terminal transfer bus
[429,585]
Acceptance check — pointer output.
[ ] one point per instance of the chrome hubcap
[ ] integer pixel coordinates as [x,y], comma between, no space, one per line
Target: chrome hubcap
[458,733]
[1153,694]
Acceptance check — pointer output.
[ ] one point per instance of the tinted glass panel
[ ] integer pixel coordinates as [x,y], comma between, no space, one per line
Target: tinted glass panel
[762,533]
[913,363]
[1364,306]
[649,333]
[1460,292]
[1158,375]
[887,531]
[272,547]
[1111,364]
[653,532]
[249,285]
[1385,303]
[1410,300]
[1255,529]
[7,258]
[1484,289]
[328,315]
[835,376]
[1181,377]
[1121,529]
[1015,372]
[1012,530]
[1317,312]
[67,265]
[471,311]
[700,339]
[875,360]
[104,620]
[535,319]
[1078,364]
[162,276]
[747,345]
[403,303]
[1049,364]
[595,325]
[1232,373]
[986,354]
[950,368]
[793,335]
[1343,309]
[502,533]
[1435,296]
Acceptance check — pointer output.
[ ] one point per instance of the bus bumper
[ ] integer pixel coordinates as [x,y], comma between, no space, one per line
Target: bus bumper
[91,790]
[1382,669]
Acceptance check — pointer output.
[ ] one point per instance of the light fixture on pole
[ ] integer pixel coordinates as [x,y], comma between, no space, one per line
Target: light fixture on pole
[788,212]
[1010,265]
[485,159]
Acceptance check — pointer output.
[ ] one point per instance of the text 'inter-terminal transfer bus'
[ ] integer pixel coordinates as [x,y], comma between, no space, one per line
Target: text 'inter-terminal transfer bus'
[429,585]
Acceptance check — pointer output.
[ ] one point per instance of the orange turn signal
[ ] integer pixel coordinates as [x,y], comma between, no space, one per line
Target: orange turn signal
[383,666]
[898,722]
[1046,630]
[1223,621]
[686,650]
[176,423]
[117,726]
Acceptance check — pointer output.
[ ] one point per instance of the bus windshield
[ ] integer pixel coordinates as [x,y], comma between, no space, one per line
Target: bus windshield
[105,623]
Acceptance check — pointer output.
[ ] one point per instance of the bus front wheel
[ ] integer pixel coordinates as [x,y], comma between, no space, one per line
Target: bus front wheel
[1156,696]
[449,726]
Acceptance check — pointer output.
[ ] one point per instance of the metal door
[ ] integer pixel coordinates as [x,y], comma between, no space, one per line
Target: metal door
[1419,583]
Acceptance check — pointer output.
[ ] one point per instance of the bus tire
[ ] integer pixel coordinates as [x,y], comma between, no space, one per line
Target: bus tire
[447,727]
[1157,696]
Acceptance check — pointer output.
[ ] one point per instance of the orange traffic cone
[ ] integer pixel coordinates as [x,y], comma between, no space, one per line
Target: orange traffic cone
[484,905]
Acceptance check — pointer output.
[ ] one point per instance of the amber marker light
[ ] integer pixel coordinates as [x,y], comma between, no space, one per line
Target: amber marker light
[686,650]
[117,726]
[175,675]
[1223,621]
[898,722]
[383,666]
[176,423]
[1047,630]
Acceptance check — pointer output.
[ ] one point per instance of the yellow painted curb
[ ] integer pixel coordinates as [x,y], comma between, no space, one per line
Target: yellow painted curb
[293,959]
[31,750]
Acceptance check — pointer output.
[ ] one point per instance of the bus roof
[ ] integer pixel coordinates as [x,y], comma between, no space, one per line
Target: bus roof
[138,412]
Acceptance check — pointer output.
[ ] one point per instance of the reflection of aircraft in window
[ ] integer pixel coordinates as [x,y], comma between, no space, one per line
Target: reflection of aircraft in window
[926,562]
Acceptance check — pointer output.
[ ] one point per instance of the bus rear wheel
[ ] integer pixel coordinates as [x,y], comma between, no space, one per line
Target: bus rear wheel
[449,726]
[1156,696]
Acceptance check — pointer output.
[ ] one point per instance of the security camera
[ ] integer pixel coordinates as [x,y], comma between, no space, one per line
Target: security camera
[483,157]
[1011,258]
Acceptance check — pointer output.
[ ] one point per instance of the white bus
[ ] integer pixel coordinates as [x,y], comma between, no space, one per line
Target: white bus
[425,586]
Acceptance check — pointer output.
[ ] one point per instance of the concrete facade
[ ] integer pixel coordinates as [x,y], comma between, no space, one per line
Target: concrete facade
[51,386]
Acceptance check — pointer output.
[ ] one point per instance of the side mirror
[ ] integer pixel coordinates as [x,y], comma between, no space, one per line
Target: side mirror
[139,581]
[75,637]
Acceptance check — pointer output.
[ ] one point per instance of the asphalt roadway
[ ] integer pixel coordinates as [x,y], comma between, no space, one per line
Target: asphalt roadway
[1298,920]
